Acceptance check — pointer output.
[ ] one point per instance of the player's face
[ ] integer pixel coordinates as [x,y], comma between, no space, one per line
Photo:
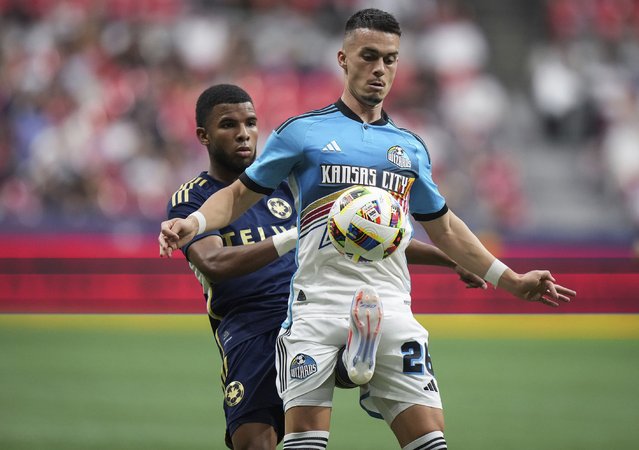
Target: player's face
[369,59]
[231,135]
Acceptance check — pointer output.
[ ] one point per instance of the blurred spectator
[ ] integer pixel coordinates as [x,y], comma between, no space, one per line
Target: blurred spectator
[589,73]
[96,95]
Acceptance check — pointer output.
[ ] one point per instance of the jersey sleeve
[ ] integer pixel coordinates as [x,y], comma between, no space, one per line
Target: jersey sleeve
[281,153]
[426,202]
[180,206]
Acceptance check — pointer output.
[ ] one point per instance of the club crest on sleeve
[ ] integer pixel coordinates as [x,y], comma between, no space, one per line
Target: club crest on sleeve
[279,208]
[303,366]
[234,393]
[398,156]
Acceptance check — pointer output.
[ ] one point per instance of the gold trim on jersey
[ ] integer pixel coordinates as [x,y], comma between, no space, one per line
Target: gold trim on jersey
[182,194]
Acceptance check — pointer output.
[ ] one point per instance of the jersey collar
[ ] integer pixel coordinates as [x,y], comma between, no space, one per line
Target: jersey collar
[351,115]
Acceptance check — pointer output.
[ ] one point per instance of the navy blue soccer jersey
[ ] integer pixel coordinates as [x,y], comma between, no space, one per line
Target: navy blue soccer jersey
[250,304]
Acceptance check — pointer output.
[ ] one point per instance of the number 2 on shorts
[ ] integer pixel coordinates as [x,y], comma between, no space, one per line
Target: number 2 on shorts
[414,352]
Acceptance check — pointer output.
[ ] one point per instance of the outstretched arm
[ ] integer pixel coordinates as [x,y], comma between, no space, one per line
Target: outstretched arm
[218,211]
[218,263]
[421,253]
[451,235]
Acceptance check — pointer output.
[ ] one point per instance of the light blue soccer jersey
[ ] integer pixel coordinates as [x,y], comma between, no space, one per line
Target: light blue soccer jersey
[322,153]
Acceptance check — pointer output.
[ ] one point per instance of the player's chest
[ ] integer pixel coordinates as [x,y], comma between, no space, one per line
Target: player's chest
[360,145]
[361,155]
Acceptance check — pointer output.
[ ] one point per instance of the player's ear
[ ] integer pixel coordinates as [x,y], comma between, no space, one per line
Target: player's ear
[341,60]
[202,136]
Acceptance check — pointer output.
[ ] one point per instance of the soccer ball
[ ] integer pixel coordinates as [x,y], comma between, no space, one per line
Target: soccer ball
[366,224]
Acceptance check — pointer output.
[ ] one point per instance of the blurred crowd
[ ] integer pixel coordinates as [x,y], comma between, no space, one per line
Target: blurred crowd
[585,86]
[97,97]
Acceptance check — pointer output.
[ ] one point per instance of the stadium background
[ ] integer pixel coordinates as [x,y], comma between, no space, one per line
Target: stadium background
[530,111]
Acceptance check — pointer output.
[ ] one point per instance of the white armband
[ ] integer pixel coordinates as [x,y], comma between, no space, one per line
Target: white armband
[201,221]
[286,241]
[495,271]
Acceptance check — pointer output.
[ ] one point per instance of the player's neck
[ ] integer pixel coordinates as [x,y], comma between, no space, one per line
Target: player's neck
[366,112]
[223,174]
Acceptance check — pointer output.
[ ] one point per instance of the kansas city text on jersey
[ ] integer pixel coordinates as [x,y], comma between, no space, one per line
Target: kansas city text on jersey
[345,174]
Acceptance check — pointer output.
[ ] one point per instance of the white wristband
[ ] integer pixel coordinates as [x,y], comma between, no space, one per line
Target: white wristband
[495,271]
[285,242]
[201,221]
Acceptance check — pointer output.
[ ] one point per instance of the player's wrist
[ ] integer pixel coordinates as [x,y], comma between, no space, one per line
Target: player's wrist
[495,274]
[198,219]
[285,242]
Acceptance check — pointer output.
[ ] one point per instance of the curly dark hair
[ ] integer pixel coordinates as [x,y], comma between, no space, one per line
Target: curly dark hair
[219,93]
[374,19]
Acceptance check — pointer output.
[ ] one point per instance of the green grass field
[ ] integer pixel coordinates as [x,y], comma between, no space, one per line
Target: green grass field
[113,382]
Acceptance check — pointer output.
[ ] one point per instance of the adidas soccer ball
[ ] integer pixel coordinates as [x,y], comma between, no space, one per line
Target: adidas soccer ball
[366,224]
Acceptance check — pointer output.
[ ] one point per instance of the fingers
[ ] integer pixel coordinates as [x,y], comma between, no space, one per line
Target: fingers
[476,285]
[168,238]
[565,291]
[473,281]
[166,248]
[554,294]
[548,301]
[545,275]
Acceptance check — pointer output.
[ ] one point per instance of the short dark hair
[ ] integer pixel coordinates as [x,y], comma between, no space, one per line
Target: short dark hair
[219,93]
[374,19]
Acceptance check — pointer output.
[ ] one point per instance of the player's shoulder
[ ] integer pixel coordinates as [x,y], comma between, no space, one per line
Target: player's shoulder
[197,189]
[303,121]
[412,137]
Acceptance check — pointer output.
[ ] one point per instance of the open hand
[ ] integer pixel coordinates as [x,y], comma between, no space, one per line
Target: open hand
[540,286]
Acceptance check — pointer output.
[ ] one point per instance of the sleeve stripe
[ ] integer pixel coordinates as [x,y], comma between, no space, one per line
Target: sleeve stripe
[320,112]
[182,194]
[431,216]
[252,185]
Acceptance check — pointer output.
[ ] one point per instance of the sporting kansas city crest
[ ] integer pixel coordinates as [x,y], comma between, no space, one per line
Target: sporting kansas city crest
[303,366]
[279,208]
[398,156]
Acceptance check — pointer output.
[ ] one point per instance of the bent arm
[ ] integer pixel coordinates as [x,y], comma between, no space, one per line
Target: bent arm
[451,235]
[419,252]
[219,210]
[218,263]
[454,238]
[422,253]
[228,204]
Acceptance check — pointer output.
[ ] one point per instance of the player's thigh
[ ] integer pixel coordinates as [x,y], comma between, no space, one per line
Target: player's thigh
[306,357]
[250,395]
[404,371]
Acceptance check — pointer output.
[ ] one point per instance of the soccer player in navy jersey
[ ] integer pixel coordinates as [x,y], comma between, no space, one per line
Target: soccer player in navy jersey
[245,268]
[246,287]
[372,150]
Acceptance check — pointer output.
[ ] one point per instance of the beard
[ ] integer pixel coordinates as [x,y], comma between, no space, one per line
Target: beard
[372,100]
[233,164]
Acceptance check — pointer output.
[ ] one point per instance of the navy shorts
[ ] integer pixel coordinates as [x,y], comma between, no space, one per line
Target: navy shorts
[250,395]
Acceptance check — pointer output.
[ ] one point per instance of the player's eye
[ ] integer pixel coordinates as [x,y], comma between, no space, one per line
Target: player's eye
[390,60]
[368,56]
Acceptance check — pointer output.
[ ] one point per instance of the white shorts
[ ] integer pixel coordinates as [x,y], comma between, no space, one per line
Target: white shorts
[306,355]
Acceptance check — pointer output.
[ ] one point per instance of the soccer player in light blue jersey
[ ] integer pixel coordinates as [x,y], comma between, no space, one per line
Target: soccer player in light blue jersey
[245,268]
[322,153]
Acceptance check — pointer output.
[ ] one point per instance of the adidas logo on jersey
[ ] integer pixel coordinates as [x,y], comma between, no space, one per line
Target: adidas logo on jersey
[431,386]
[331,147]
